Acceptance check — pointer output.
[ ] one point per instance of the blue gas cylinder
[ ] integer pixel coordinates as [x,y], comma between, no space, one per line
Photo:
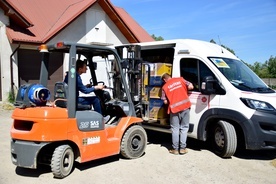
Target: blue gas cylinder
[39,95]
[23,91]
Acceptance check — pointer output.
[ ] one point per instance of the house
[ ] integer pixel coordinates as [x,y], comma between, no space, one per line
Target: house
[26,25]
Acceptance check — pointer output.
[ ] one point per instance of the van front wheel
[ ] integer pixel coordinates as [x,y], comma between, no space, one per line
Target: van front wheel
[224,139]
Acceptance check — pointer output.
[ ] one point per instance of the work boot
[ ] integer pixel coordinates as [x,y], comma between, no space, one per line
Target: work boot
[183,151]
[173,151]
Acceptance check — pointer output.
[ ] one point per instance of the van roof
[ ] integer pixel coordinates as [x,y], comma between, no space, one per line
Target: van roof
[189,46]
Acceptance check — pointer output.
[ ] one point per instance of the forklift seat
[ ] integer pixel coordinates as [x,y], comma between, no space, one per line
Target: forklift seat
[60,97]
[82,107]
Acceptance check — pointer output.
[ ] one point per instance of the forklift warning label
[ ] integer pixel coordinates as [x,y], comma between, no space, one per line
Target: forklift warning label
[91,140]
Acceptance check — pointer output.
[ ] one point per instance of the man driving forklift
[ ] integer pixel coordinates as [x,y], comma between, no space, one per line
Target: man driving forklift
[81,66]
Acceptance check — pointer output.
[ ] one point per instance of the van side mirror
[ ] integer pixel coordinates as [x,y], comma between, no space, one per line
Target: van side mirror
[209,85]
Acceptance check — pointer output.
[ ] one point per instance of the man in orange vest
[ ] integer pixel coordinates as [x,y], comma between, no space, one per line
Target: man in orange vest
[175,94]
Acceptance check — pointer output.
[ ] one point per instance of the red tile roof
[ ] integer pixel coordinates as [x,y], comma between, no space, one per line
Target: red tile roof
[15,14]
[51,16]
[134,27]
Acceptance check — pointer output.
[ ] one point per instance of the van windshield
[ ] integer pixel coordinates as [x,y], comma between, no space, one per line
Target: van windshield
[240,75]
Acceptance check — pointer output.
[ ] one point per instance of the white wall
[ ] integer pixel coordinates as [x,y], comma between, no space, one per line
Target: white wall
[83,30]
[95,26]
[5,52]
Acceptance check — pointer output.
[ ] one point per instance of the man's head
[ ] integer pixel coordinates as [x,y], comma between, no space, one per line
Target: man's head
[166,77]
[81,66]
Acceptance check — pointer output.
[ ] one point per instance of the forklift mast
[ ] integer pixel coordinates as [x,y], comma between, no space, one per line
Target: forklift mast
[132,70]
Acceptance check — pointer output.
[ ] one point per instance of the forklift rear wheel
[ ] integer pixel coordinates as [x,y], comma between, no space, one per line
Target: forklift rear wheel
[62,161]
[134,142]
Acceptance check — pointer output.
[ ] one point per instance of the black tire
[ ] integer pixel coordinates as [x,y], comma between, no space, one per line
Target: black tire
[224,139]
[62,161]
[134,142]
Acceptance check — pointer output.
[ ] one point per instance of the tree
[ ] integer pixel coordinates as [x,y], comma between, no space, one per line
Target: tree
[227,48]
[213,41]
[230,50]
[260,69]
[271,66]
[159,38]
[263,70]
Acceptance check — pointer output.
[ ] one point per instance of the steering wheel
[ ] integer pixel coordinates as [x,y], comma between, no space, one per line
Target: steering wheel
[91,82]
[101,82]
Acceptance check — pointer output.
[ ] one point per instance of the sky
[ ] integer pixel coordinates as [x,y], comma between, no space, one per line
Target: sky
[246,26]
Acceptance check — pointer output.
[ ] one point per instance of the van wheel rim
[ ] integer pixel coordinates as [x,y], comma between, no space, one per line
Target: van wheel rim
[219,137]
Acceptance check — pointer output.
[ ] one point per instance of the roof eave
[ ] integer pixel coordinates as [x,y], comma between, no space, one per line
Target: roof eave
[115,17]
[67,23]
[15,15]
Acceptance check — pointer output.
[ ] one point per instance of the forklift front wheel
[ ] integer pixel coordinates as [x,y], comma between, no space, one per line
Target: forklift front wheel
[62,161]
[134,142]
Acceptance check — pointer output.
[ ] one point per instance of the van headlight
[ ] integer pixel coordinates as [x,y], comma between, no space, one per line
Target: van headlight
[257,104]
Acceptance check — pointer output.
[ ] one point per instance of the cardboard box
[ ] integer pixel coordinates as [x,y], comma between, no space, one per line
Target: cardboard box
[156,71]
[154,91]
[154,81]
[164,121]
[158,112]
[157,109]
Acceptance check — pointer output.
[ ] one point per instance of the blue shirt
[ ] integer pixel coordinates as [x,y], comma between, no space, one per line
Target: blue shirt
[80,86]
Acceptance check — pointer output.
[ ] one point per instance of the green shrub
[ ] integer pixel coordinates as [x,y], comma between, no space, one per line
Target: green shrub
[11,97]
[272,86]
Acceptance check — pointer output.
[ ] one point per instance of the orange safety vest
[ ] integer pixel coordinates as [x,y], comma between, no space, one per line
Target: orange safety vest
[177,94]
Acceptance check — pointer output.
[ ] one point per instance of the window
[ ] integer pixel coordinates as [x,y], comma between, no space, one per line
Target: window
[194,70]
[240,76]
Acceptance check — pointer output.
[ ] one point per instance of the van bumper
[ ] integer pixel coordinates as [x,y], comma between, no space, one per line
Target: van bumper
[262,133]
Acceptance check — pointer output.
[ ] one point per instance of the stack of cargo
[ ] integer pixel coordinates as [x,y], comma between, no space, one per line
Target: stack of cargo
[152,85]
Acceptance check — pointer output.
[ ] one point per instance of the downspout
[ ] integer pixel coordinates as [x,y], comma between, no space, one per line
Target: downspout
[11,68]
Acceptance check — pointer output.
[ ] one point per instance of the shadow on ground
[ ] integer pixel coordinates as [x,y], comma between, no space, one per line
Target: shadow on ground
[154,137]
[42,169]
[164,139]
[98,162]
[35,173]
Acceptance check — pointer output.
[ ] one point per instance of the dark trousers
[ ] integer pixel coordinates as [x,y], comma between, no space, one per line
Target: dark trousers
[91,100]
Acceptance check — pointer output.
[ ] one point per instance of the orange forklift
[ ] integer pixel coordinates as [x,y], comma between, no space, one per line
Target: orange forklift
[50,127]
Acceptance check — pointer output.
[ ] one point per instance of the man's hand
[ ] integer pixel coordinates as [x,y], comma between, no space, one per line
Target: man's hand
[100,86]
[191,86]
[88,85]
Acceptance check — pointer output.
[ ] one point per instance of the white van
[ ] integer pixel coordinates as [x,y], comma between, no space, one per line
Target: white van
[231,105]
